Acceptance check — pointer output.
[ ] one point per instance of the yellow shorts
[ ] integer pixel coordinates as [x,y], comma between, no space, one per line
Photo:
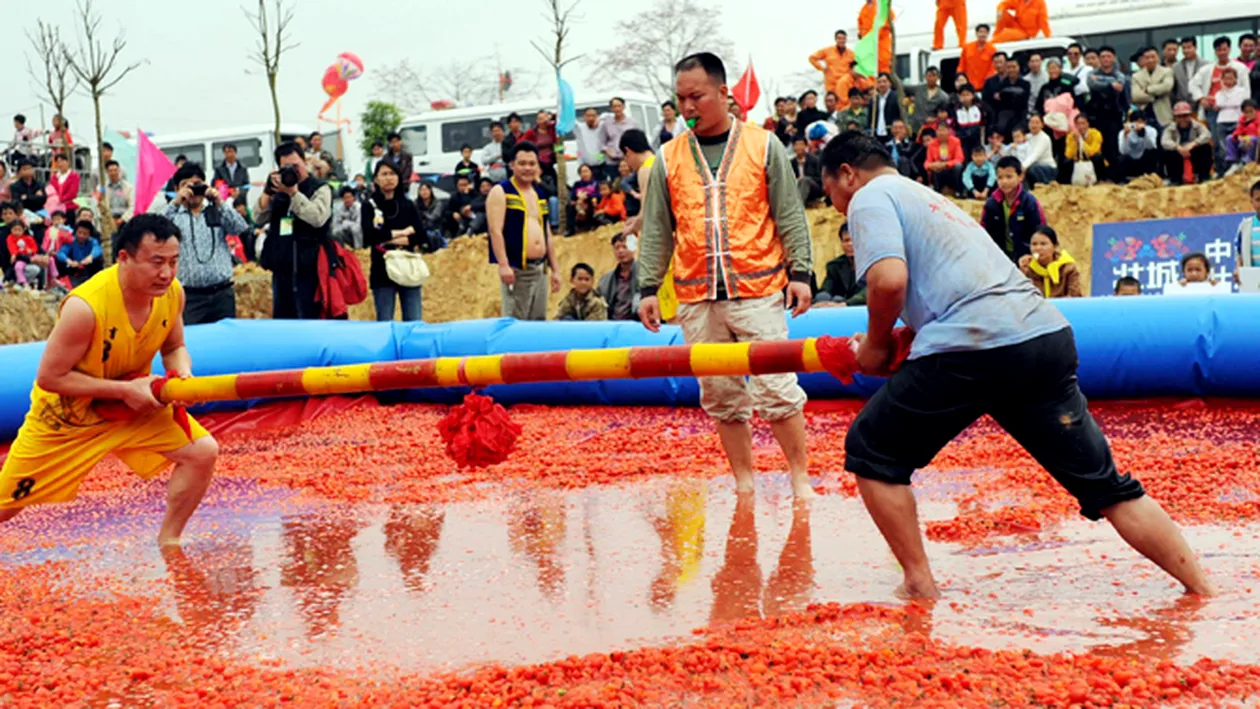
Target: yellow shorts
[47,466]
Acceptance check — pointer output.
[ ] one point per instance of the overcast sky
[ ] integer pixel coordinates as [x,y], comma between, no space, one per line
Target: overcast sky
[195,76]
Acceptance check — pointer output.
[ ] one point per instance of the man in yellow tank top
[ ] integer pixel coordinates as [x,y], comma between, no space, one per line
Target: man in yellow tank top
[107,333]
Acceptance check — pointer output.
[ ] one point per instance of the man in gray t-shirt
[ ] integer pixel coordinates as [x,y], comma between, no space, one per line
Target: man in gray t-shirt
[986,343]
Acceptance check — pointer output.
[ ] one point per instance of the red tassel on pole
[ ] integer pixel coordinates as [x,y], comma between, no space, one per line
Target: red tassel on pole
[478,433]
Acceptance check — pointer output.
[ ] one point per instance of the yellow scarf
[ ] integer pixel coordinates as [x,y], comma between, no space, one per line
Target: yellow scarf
[1051,271]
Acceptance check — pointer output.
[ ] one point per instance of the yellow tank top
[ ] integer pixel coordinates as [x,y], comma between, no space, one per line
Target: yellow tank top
[117,350]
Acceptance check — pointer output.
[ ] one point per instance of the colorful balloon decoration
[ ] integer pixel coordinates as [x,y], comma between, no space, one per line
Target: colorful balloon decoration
[337,77]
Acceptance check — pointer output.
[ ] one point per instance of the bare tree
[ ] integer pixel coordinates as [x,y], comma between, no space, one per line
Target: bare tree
[400,84]
[645,57]
[271,46]
[472,80]
[55,78]
[561,19]
[99,69]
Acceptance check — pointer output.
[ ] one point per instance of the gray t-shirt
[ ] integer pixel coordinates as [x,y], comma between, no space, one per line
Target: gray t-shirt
[964,294]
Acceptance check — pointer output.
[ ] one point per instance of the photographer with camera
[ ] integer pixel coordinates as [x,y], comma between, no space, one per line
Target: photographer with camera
[205,265]
[297,209]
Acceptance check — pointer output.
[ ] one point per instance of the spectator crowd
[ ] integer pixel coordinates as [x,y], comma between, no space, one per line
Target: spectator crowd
[1081,119]
[1003,129]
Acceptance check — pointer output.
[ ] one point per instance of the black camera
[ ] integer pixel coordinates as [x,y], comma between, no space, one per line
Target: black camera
[198,189]
[289,176]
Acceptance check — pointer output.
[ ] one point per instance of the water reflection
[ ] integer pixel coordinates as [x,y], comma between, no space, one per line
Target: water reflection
[681,534]
[320,568]
[215,586]
[537,526]
[411,537]
[738,591]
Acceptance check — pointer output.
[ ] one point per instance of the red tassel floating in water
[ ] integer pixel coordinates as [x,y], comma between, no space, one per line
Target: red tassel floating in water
[478,433]
[839,354]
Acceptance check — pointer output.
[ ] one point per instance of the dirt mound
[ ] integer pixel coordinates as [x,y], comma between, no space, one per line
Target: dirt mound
[465,287]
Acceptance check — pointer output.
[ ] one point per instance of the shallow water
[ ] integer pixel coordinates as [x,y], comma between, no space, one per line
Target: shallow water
[544,574]
[356,557]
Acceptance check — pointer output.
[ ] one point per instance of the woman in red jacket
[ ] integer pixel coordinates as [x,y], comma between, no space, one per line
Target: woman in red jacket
[943,159]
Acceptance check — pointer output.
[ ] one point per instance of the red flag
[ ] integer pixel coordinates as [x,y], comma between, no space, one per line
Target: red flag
[746,91]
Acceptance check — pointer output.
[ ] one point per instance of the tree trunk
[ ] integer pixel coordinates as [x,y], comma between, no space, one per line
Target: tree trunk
[107,219]
[275,103]
[562,183]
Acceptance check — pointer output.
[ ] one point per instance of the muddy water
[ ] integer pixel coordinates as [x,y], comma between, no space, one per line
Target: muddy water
[542,574]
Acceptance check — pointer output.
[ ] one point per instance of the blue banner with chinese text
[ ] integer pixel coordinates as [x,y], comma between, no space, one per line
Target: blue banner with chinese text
[1151,251]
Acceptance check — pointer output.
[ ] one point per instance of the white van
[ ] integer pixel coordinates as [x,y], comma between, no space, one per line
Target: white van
[914,64]
[434,138]
[254,148]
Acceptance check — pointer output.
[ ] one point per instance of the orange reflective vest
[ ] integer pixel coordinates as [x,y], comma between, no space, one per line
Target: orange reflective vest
[723,231]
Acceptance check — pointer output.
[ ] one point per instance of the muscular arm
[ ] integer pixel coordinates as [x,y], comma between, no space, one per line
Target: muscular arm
[175,357]
[69,342]
[656,242]
[885,297]
[496,212]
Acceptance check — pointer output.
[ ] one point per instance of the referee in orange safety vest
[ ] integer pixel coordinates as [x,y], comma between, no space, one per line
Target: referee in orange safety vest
[723,206]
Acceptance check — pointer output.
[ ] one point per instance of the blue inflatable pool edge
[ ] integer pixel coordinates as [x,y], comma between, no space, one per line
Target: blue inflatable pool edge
[1129,348]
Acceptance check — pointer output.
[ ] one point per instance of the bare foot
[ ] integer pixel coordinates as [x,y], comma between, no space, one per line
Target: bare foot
[744,483]
[1206,590]
[918,590]
[802,488]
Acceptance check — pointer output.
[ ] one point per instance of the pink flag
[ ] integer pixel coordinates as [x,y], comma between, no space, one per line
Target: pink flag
[153,169]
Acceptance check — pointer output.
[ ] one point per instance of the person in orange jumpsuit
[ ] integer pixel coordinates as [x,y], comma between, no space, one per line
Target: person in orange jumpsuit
[945,11]
[833,61]
[1021,19]
[866,22]
[976,60]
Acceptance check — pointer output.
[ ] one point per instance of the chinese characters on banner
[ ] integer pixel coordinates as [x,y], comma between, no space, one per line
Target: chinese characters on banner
[1151,251]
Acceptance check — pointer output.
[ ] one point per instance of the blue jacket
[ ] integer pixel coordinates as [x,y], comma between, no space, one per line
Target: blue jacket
[77,251]
[1014,234]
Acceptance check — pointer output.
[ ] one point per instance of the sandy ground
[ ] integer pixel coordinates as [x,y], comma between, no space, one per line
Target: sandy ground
[465,287]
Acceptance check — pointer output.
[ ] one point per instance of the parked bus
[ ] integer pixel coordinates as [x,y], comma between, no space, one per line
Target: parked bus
[254,148]
[434,138]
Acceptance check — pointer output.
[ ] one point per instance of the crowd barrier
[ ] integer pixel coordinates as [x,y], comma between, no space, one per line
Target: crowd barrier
[1134,347]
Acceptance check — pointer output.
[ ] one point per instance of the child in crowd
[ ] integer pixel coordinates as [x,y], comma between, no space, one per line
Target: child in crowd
[612,205]
[979,179]
[1019,146]
[1195,268]
[1128,285]
[997,148]
[1229,101]
[81,258]
[582,303]
[1050,268]
[1241,145]
[466,167]
[55,236]
[23,254]
[969,120]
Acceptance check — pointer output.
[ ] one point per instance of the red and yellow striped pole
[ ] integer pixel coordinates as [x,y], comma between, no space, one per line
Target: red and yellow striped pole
[700,360]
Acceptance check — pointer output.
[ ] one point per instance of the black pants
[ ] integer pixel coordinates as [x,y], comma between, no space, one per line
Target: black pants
[1030,389]
[1200,161]
[293,302]
[203,306]
[949,177]
[1131,167]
